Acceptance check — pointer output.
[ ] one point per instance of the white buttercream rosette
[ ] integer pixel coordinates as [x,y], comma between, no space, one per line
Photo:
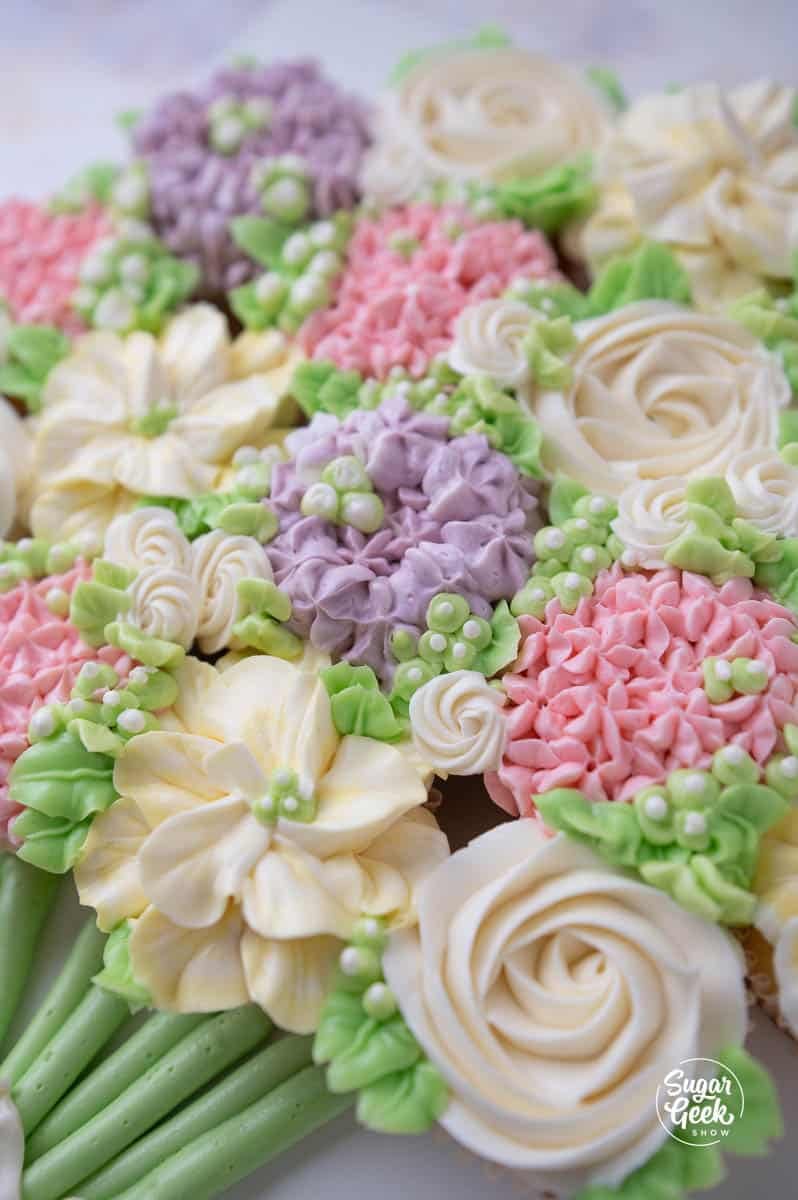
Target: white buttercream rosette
[489,340]
[553,992]
[457,724]
[479,114]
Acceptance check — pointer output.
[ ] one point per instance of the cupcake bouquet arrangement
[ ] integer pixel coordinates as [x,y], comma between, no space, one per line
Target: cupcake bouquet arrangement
[348,449]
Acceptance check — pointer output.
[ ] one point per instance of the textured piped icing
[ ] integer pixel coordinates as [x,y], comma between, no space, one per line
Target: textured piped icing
[408,276]
[40,657]
[611,698]
[195,191]
[458,518]
[40,258]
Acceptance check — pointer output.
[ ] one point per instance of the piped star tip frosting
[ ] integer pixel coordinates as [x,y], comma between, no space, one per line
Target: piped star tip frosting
[323,480]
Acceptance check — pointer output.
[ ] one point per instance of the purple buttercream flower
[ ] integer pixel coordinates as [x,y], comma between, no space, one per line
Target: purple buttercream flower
[458,518]
[195,191]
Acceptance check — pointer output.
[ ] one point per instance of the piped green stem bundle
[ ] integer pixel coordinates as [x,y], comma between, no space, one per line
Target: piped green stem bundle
[26,897]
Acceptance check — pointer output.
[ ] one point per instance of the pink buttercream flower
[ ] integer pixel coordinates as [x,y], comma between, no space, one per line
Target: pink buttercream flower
[408,276]
[611,698]
[40,258]
[40,657]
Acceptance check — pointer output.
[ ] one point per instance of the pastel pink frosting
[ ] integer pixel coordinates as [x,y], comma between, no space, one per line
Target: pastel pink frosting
[611,698]
[40,258]
[396,310]
[40,657]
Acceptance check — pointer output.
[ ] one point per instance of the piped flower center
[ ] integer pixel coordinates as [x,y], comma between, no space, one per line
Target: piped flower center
[286,796]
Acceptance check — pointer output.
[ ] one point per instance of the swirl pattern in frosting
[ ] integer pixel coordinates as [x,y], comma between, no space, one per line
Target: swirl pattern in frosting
[148,537]
[482,114]
[458,518]
[765,488]
[611,698]
[713,175]
[221,561]
[554,993]
[456,723]
[165,603]
[660,391]
[489,340]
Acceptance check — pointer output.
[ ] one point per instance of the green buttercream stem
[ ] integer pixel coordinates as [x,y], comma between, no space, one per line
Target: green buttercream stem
[84,1033]
[73,981]
[196,1059]
[108,1080]
[243,1087]
[211,1164]
[26,896]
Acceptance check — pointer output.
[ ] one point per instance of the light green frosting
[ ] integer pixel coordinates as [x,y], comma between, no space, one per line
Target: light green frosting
[357,704]
[547,345]
[260,627]
[117,974]
[695,837]
[134,284]
[489,37]
[775,321]
[94,184]
[548,201]
[376,1055]
[716,542]
[29,355]
[608,83]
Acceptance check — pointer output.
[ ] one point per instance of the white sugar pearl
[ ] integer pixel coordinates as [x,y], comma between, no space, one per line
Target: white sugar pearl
[629,558]
[581,523]
[57,600]
[370,927]
[290,804]
[597,504]
[134,268]
[573,581]
[656,807]
[293,162]
[131,720]
[24,544]
[138,676]
[296,249]
[588,555]
[723,670]
[734,755]
[695,824]
[555,539]
[90,670]
[76,707]
[757,667]
[114,311]
[538,594]
[282,777]
[228,133]
[268,288]
[459,650]
[130,191]
[471,629]
[350,961]
[694,784]
[437,643]
[326,262]
[42,723]
[322,233]
[415,674]
[266,803]
[789,767]
[112,698]
[285,194]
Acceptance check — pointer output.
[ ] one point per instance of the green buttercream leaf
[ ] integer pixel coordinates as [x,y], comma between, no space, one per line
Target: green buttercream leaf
[97,738]
[160,691]
[117,974]
[377,1049]
[548,201]
[563,496]
[503,648]
[408,1101]
[93,183]
[760,807]
[609,85]
[761,1121]
[670,1174]
[610,829]
[358,706]
[340,1020]
[267,636]
[490,37]
[247,307]
[775,322]
[149,651]
[92,606]
[260,238]
[319,386]
[651,272]
[52,844]
[520,438]
[30,354]
[59,777]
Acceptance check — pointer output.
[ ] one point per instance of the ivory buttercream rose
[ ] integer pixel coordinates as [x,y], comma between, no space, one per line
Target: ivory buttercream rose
[128,417]
[713,175]
[489,340]
[148,537]
[479,114]
[165,603]
[554,993]
[659,391]
[776,885]
[232,898]
[652,513]
[456,723]
[221,561]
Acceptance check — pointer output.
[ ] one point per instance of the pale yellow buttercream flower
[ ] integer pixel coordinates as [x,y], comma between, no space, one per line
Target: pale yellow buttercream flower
[776,885]
[128,417]
[229,906]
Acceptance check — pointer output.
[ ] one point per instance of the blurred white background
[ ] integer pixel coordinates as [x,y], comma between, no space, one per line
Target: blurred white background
[67,67]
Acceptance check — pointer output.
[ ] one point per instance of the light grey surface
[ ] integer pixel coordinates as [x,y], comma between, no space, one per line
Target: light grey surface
[66,68]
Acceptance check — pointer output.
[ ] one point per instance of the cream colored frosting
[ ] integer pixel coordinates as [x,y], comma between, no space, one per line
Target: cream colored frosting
[488,115]
[226,908]
[489,340]
[652,513]
[766,490]
[776,884]
[712,174]
[660,391]
[165,603]
[148,537]
[93,459]
[15,453]
[553,992]
[12,1147]
[457,724]
[220,562]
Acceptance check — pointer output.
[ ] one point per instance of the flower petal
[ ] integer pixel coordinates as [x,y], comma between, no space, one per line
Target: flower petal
[232,415]
[164,773]
[194,349]
[189,970]
[107,875]
[290,894]
[234,769]
[193,863]
[162,466]
[85,506]
[192,711]
[290,980]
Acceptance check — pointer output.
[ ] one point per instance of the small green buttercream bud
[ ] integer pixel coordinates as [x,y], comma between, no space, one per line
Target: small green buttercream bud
[447,612]
[588,560]
[597,509]
[532,599]
[692,829]
[379,1002]
[411,675]
[250,519]
[749,675]
[364,511]
[358,962]
[552,543]
[432,646]
[45,722]
[254,480]
[57,600]
[655,815]
[403,645]
[369,931]
[580,531]
[733,765]
[459,655]
[12,574]
[320,500]
[692,789]
[718,680]
[94,677]
[781,773]
[477,632]
[61,558]
[154,689]
[570,587]
[347,474]
[261,595]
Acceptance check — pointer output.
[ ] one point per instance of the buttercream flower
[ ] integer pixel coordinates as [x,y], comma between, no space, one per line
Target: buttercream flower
[660,391]
[712,174]
[220,562]
[765,489]
[457,518]
[612,698]
[148,537]
[250,837]
[456,723]
[408,276]
[776,885]
[489,340]
[165,603]
[554,993]
[652,513]
[15,454]
[135,416]
[487,114]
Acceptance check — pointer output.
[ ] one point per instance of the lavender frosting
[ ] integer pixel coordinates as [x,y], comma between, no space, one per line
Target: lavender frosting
[196,191]
[458,518]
